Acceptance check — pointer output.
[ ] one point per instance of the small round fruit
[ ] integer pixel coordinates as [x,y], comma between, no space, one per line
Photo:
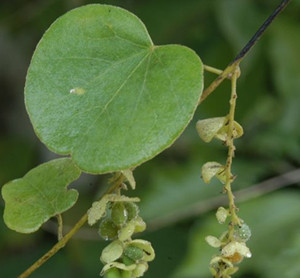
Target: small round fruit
[132,210]
[119,214]
[244,232]
[108,230]
[133,252]
[127,261]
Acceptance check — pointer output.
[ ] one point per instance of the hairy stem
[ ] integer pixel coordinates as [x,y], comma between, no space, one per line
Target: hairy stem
[61,243]
[231,148]
[232,66]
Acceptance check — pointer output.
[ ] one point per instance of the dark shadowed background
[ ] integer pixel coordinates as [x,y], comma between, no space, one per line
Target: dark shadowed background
[177,205]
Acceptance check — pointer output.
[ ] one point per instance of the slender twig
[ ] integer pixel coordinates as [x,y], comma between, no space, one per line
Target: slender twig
[232,66]
[61,243]
[261,31]
[60,227]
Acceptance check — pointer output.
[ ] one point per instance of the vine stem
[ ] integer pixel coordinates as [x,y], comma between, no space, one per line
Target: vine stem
[63,241]
[231,149]
[227,73]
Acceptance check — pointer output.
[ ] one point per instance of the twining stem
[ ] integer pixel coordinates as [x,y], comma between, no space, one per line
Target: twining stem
[60,227]
[232,66]
[62,242]
[231,149]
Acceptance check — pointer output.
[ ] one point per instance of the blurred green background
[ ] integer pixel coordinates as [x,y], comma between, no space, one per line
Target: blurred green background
[177,205]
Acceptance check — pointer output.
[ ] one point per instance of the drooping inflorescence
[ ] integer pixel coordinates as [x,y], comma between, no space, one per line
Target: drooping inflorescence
[124,257]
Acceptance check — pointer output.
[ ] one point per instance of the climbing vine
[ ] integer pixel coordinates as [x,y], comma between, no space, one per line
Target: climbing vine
[100,91]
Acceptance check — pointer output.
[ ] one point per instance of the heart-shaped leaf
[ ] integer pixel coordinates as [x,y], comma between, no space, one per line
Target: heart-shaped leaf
[98,89]
[39,195]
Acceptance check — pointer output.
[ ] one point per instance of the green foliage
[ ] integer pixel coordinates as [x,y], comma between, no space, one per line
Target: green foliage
[267,108]
[98,89]
[39,195]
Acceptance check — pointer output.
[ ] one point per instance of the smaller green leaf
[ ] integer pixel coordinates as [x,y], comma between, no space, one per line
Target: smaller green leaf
[130,178]
[39,195]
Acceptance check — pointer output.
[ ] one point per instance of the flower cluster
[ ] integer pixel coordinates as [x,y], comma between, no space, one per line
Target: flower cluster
[232,243]
[232,248]
[124,255]
[120,220]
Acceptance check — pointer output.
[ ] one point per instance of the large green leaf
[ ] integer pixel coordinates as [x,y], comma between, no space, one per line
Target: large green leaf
[98,89]
[39,195]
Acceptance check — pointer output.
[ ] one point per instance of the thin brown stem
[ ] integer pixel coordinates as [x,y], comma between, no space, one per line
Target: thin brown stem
[61,243]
